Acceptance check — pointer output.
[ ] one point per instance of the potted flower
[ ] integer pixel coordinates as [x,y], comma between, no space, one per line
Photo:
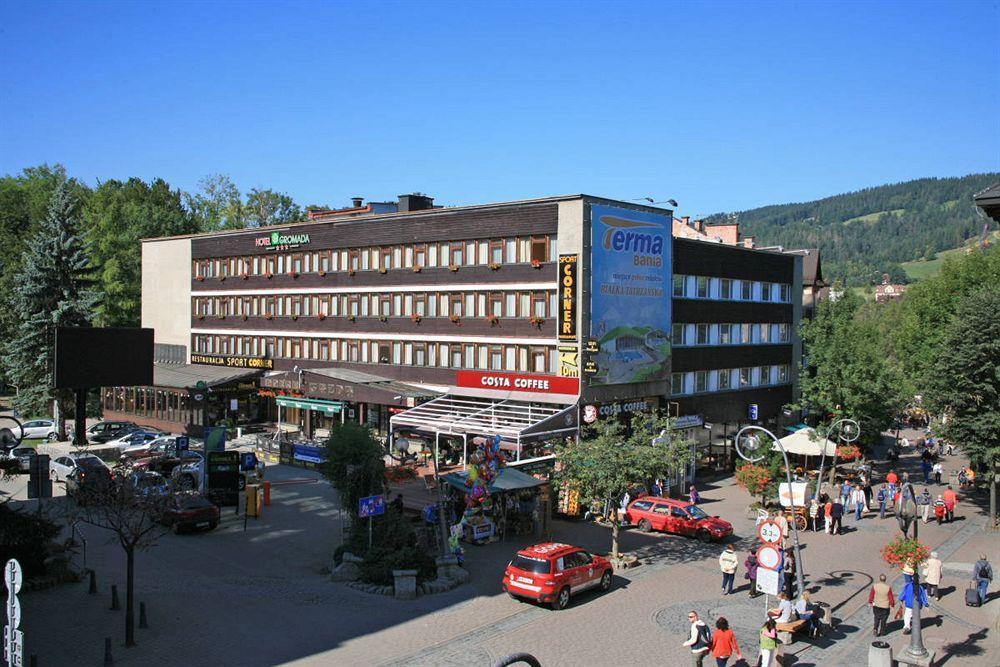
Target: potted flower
[351,272]
[537,321]
[495,266]
[244,275]
[417,268]
[322,273]
[351,318]
[321,317]
[221,316]
[295,275]
[269,275]
[200,317]
[382,270]
[383,318]
[536,263]
[905,551]
[754,478]
[268,316]
[295,317]
[493,319]
[200,279]
[455,319]
[848,452]
[222,278]
[244,317]
[416,318]
[453,268]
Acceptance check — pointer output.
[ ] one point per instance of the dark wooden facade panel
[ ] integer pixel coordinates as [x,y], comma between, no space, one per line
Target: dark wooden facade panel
[362,326]
[699,258]
[733,406]
[424,227]
[697,311]
[688,359]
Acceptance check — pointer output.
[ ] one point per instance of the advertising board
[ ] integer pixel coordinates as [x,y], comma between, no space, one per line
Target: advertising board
[541,384]
[630,295]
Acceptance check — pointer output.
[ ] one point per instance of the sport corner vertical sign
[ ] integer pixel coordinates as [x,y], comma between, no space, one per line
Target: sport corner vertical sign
[630,295]
[569,351]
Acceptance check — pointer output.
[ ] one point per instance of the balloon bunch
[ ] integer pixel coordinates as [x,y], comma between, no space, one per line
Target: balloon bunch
[486,463]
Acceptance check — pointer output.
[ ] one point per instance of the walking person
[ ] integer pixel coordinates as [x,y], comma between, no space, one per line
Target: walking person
[938,469]
[728,562]
[907,598]
[700,639]
[845,494]
[693,495]
[828,516]
[931,576]
[892,479]
[950,502]
[814,514]
[939,509]
[788,571]
[882,498]
[837,514]
[859,502]
[724,643]
[750,564]
[926,468]
[982,573]
[924,504]
[768,643]
[880,599]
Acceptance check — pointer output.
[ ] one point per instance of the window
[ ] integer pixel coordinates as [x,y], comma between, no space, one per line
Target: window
[726,288]
[765,291]
[782,373]
[538,304]
[702,334]
[496,358]
[496,251]
[765,333]
[746,333]
[725,376]
[353,260]
[746,290]
[702,287]
[420,256]
[677,383]
[678,285]
[384,352]
[764,375]
[745,376]
[385,259]
[457,257]
[536,358]
[783,333]
[701,381]
[420,354]
[539,251]
[455,305]
[785,293]
[678,334]
[725,337]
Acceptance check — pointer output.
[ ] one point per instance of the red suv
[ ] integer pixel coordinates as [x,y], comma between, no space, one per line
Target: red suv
[676,516]
[551,572]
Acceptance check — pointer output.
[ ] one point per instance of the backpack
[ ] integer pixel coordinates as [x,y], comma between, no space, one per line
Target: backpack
[704,637]
[986,572]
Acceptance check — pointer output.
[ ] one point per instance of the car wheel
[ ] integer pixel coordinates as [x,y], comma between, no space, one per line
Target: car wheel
[704,536]
[53,436]
[645,526]
[186,482]
[562,599]
[606,580]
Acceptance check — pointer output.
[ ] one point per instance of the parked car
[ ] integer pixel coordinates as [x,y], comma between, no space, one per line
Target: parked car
[163,446]
[188,475]
[166,463]
[551,572]
[104,431]
[190,509]
[88,480]
[61,466]
[133,438]
[148,485]
[676,516]
[40,428]
[23,456]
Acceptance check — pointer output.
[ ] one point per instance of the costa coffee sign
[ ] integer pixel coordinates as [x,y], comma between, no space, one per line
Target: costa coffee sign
[541,384]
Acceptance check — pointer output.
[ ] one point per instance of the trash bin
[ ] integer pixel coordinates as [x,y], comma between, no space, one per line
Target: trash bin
[253,508]
[880,654]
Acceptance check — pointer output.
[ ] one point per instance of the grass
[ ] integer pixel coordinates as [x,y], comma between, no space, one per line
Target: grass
[920,269]
[873,217]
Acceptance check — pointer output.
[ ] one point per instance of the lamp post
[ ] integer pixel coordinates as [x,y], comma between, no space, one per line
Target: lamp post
[748,445]
[916,653]
[848,430]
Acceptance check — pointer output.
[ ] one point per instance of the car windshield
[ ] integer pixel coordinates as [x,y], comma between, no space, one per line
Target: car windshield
[89,462]
[536,565]
[192,502]
[24,451]
[696,512]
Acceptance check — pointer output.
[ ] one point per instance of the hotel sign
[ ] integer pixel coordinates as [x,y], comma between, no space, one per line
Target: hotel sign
[542,384]
[568,265]
[279,241]
[233,362]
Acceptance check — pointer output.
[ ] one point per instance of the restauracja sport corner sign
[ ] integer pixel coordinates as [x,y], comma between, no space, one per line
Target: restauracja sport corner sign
[539,384]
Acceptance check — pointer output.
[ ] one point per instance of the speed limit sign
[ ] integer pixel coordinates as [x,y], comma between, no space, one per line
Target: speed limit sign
[769,532]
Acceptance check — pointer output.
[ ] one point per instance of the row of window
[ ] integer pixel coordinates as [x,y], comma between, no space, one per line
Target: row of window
[743,333]
[705,287]
[473,356]
[516,250]
[728,379]
[172,406]
[431,304]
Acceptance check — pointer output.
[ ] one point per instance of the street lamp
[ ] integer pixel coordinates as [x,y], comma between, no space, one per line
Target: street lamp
[748,445]
[848,430]
[915,653]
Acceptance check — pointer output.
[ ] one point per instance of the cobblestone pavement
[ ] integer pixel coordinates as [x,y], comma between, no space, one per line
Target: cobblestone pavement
[262,597]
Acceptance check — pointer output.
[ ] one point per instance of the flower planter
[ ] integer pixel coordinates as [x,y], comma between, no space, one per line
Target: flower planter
[404,584]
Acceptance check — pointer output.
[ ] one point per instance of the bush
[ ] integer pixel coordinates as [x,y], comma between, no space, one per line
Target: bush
[26,537]
[394,547]
[380,562]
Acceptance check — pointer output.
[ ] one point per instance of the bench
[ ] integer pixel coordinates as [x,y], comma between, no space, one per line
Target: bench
[786,631]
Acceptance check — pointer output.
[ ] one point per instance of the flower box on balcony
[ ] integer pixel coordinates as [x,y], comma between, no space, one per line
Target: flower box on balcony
[417,268]
[537,321]
[321,317]
[494,320]
[222,279]
[294,274]
[295,317]
[383,270]
[416,318]
[322,273]
[269,316]
[351,272]
[536,264]
[244,276]
[200,279]
[453,268]
[495,266]
[270,275]
[200,317]
[455,319]
[351,318]
[383,318]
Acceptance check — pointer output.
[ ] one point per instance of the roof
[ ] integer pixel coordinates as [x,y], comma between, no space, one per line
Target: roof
[547,550]
[989,201]
[375,381]
[187,376]
[509,479]
[806,442]
[673,502]
[812,268]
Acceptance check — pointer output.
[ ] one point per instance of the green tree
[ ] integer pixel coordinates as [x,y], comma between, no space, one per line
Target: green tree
[117,216]
[267,207]
[965,383]
[355,465]
[611,458]
[52,289]
[217,205]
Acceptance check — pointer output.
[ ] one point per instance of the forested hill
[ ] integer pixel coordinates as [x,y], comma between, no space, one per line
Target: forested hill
[867,233]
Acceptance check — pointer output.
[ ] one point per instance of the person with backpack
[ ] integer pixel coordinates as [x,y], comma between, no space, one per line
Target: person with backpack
[768,643]
[700,640]
[907,598]
[939,509]
[982,573]
[882,498]
[724,643]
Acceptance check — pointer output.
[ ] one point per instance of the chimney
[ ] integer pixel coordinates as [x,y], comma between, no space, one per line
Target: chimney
[700,225]
[686,220]
[748,242]
[357,201]
[415,202]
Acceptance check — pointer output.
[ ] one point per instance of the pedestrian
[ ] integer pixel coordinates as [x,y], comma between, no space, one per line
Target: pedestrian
[906,442]
[845,493]
[807,612]
[700,639]
[724,643]
[788,571]
[932,575]
[880,599]
[693,495]
[906,599]
[938,469]
[750,564]
[882,498]
[728,562]
[768,643]
[814,514]
[837,514]
[828,516]
[859,502]
[892,479]
[868,493]
[939,509]
[924,504]
[783,612]
[656,489]
[951,448]
[982,573]
[779,518]
[950,501]
[397,503]
[925,468]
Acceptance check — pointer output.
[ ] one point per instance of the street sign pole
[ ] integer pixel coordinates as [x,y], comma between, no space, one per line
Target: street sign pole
[13,639]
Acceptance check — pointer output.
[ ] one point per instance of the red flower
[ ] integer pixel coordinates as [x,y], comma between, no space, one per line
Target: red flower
[536,263]
[904,551]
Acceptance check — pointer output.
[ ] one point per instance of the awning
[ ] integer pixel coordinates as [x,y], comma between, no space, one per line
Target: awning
[796,427]
[509,479]
[188,376]
[314,404]
[806,442]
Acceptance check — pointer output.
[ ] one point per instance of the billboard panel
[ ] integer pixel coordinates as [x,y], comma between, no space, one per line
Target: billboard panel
[630,295]
[91,357]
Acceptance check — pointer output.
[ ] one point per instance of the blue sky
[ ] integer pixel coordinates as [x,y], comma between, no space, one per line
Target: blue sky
[721,106]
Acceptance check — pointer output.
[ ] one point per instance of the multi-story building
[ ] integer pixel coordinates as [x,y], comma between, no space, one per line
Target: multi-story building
[520,318]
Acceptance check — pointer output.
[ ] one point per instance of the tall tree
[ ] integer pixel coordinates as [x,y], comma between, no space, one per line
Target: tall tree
[52,289]
[217,205]
[118,215]
[267,207]
[965,383]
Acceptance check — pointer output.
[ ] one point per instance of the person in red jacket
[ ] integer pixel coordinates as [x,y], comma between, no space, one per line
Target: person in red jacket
[950,501]
[724,643]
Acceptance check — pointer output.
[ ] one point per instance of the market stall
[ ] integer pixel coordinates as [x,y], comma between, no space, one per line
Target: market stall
[512,501]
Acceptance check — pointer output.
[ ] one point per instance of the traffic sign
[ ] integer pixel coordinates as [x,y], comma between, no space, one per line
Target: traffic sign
[769,557]
[371,506]
[753,412]
[769,532]
[13,577]
[769,581]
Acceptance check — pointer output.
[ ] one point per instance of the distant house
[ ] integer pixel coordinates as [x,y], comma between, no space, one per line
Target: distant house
[814,288]
[888,292]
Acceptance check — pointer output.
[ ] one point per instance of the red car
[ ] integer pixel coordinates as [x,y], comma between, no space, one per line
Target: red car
[676,516]
[189,510]
[551,572]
